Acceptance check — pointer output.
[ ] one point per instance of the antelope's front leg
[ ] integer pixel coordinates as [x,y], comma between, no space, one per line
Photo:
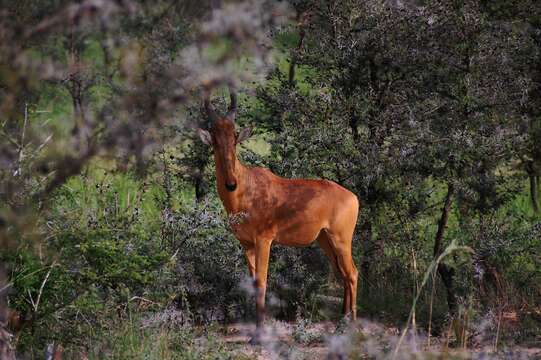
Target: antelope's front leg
[262,252]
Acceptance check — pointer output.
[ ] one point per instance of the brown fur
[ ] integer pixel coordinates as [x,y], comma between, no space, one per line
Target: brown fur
[291,212]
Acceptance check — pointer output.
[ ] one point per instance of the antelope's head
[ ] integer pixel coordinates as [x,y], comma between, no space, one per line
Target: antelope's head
[224,139]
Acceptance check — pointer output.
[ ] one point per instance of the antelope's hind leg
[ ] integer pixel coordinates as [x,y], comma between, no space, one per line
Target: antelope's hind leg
[250,260]
[325,245]
[340,245]
[350,275]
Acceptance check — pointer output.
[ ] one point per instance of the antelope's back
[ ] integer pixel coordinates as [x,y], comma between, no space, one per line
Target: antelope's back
[298,209]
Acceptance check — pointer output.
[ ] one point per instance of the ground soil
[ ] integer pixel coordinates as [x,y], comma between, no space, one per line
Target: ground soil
[363,340]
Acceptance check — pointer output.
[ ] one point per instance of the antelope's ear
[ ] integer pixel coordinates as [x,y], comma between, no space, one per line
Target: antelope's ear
[244,134]
[205,136]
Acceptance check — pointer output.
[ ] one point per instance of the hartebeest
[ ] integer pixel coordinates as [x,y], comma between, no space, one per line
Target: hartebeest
[292,212]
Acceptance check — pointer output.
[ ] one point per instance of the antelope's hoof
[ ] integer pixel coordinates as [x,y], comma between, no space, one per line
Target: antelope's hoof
[256,339]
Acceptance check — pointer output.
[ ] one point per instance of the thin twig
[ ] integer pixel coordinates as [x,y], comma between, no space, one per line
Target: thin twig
[18,172]
[43,285]
[31,299]
[416,289]
[38,149]
[142,299]
[431,307]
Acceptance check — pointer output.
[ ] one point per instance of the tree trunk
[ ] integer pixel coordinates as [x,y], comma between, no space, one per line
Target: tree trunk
[202,158]
[446,273]
[353,124]
[538,187]
[201,188]
[293,62]
[140,161]
[534,190]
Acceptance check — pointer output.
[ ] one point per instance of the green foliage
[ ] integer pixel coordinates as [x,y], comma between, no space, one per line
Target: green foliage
[131,340]
[107,202]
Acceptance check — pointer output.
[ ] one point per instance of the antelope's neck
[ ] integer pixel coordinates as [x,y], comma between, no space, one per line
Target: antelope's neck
[232,199]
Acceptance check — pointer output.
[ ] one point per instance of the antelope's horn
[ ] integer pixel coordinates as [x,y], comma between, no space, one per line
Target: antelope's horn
[208,108]
[232,112]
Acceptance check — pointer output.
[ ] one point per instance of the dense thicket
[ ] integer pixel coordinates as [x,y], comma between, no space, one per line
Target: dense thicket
[427,110]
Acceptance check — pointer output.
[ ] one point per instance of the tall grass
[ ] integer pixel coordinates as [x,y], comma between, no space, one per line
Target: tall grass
[131,340]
